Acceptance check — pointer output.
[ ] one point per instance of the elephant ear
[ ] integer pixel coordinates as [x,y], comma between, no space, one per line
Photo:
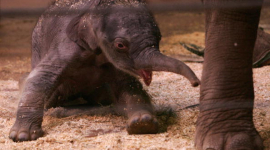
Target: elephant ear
[80,29]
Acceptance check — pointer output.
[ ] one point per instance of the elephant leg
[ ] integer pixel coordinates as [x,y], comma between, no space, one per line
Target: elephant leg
[225,121]
[136,104]
[38,87]
[30,110]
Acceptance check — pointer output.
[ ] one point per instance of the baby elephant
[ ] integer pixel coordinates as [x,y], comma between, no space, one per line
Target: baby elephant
[95,50]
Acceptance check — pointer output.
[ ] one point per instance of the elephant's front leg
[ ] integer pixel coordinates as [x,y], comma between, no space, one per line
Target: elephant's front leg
[38,87]
[136,104]
[225,121]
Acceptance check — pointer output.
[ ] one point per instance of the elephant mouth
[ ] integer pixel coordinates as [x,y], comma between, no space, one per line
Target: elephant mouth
[146,75]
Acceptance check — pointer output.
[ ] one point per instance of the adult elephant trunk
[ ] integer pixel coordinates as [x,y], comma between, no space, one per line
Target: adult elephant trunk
[155,61]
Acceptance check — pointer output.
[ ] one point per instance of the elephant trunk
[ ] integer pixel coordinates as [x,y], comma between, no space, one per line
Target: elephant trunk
[155,61]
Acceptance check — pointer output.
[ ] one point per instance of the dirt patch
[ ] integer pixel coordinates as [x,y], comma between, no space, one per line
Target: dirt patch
[107,131]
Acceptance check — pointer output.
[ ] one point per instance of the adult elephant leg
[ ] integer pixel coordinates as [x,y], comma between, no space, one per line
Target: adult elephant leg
[226,103]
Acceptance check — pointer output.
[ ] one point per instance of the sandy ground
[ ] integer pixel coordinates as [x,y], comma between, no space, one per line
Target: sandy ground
[171,93]
[107,131]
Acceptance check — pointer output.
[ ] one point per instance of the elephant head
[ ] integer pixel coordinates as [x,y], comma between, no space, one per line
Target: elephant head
[126,32]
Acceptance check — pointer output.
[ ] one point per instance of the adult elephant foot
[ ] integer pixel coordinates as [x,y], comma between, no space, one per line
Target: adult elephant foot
[142,122]
[227,130]
[27,126]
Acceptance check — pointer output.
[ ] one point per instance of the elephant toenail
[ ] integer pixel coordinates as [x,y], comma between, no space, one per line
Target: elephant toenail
[23,136]
[146,118]
[12,135]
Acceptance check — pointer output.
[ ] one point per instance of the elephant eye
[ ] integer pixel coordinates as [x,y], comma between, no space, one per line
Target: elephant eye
[121,45]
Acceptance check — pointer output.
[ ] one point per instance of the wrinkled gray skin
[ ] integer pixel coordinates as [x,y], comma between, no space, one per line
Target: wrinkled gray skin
[96,53]
[225,121]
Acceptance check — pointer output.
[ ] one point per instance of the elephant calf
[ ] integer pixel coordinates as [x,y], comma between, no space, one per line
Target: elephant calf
[94,49]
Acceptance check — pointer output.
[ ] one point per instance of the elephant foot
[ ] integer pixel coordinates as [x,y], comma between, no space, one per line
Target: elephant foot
[23,132]
[26,127]
[231,141]
[225,133]
[142,122]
